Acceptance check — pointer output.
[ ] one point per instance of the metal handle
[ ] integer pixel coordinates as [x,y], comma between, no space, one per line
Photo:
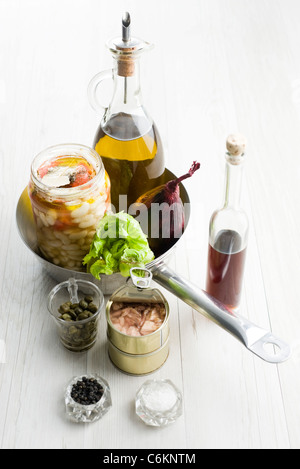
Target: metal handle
[92,89]
[251,336]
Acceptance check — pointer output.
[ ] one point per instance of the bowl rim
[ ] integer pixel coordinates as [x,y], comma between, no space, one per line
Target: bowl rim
[65,283]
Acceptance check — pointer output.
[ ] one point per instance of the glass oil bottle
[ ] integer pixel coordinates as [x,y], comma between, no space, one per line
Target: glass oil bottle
[228,233]
[127,138]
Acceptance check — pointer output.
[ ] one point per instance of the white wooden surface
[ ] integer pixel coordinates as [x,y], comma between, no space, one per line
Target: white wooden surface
[218,66]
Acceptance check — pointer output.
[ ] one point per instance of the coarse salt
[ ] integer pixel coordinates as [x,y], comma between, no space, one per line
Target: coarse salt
[159,397]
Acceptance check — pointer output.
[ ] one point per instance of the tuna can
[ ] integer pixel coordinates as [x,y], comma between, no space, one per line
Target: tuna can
[136,349]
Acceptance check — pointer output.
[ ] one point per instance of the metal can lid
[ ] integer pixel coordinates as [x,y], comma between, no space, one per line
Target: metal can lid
[141,277]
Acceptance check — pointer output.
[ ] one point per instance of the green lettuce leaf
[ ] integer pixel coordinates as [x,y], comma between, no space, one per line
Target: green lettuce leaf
[118,245]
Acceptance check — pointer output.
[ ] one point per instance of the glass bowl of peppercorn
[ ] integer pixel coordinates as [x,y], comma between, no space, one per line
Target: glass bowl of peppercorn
[87,398]
[75,305]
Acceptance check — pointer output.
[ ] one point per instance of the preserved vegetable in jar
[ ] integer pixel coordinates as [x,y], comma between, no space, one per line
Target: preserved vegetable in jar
[69,191]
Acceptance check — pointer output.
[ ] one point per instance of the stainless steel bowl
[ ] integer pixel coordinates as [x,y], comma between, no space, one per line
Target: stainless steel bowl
[108,283]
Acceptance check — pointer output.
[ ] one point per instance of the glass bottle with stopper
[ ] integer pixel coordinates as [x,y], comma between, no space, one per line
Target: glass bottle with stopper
[228,232]
[127,139]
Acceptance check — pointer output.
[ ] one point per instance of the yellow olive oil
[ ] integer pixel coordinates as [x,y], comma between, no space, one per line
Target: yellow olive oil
[132,154]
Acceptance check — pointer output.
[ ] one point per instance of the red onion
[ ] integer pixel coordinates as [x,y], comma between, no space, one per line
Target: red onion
[165,212]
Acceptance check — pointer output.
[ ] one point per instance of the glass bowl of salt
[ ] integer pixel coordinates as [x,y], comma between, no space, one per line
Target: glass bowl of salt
[158,402]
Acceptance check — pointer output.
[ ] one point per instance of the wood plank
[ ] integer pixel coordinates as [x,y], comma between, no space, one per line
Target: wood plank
[217,67]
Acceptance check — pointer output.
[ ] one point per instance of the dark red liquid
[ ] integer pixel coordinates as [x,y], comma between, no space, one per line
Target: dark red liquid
[226,261]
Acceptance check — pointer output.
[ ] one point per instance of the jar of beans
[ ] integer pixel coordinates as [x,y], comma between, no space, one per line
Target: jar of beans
[69,191]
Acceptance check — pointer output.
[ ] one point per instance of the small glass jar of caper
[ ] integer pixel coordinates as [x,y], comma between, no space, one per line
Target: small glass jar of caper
[75,306]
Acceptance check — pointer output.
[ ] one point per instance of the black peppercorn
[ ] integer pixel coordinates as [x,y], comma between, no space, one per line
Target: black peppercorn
[87,391]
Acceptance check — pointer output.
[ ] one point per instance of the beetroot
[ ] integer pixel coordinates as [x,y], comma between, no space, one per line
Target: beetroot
[165,212]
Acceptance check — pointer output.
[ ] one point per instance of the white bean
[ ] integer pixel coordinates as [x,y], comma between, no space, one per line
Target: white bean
[76,257]
[52,213]
[98,201]
[51,216]
[43,218]
[70,247]
[61,236]
[63,260]
[69,252]
[87,223]
[84,218]
[69,231]
[80,211]
[81,242]
[50,220]
[50,251]
[48,233]
[78,235]
[55,243]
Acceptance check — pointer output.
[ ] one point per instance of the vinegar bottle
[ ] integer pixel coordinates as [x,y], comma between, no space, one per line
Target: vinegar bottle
[228,233]
[127,139]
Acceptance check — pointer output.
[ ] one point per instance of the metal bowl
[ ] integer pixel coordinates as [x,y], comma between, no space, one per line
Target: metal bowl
[108,283]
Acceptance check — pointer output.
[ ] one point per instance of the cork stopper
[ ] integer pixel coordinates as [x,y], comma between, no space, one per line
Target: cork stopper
[126,63]
[236,145]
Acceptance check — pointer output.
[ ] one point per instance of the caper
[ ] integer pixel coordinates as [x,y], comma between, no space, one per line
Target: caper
[83,304]
[77,339]
[92,307]
[88,298]
[64,308]
[73,330]
[66,317]
[76,333]
[85,335]
[73,314]
[88,313]
[82,316]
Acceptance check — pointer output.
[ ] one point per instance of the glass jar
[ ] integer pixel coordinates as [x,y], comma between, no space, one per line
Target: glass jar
[69,191]
[76,306]
[80,412]
[158,402]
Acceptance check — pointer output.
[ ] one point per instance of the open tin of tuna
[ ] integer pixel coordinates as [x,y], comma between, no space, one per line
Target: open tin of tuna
[138,326]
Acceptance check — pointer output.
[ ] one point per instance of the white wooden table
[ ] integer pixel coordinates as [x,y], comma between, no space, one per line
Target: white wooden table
[218,66]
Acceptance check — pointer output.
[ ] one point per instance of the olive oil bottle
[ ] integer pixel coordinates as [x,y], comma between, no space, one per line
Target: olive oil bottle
[127,139]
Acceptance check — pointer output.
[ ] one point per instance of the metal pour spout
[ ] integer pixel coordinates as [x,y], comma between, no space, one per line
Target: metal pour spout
[126,27]
[126,38]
